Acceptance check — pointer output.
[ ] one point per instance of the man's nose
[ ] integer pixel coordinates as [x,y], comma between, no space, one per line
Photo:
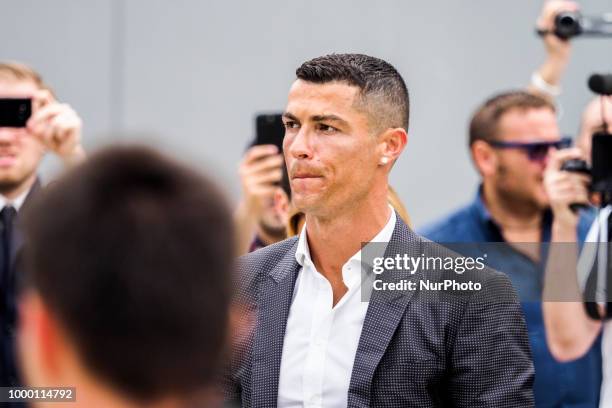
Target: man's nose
[301,145]
[8,135]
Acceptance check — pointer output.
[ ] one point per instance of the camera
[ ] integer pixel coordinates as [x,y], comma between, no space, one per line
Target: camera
[569,24]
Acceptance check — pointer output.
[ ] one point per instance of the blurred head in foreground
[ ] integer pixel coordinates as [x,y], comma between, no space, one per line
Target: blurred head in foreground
[127,263]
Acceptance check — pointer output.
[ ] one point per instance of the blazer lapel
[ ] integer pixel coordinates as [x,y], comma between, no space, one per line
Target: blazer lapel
[384,314]
[274,302]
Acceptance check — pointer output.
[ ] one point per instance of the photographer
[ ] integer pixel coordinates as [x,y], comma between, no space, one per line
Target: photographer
[261,216]
[53,126]
[570,331]
[511,136]
[546,79]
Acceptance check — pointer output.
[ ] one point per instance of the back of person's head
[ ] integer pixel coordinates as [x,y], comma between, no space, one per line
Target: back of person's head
[383,95]
[485,121]
[130,254]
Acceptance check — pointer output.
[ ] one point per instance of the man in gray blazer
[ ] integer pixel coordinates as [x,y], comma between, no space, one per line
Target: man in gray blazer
[323,334]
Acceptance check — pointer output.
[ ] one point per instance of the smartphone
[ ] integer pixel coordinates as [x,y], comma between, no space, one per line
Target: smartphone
[15,112]
[270,130]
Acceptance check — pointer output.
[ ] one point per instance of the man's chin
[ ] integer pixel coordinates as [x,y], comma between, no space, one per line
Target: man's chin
[9,183]
[305,205]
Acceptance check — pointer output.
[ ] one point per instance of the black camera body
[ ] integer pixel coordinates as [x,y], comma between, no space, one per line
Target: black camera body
[576,166]
[601,171]
[569,24]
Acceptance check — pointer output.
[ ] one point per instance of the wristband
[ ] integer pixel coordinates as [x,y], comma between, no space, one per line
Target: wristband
[540,84]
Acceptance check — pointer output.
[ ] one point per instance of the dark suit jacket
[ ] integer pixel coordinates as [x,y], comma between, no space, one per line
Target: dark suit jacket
[415,350]
[8,303]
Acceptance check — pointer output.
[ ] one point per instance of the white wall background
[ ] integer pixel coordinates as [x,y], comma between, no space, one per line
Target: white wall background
[188,75]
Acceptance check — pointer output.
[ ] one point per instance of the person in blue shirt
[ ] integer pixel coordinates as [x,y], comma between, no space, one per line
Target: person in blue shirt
[511,137]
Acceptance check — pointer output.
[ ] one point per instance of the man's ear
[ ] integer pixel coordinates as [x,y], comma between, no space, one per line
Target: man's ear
[485,158]
[38,342]
[391,143]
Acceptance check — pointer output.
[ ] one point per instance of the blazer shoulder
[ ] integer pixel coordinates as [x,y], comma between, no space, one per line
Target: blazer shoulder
[264,259]
[249,269]
[269,254]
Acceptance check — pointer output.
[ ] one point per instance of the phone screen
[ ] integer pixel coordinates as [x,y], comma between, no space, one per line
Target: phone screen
[15,112]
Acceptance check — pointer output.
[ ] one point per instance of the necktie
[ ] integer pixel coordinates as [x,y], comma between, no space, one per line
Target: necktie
[7,216]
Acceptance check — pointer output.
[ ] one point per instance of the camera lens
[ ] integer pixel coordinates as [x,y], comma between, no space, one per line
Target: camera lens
[567,25]
[567,21]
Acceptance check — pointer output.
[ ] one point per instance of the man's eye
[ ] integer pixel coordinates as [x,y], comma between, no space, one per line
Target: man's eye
[327,129]
[291,125]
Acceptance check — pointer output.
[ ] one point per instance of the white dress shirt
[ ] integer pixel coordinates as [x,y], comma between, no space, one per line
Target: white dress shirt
[321,339]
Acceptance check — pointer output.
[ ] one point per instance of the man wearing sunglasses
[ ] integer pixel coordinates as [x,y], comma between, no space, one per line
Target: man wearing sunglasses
[512,136]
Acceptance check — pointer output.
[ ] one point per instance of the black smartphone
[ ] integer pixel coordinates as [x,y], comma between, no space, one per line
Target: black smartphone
[270,130]
[15,112]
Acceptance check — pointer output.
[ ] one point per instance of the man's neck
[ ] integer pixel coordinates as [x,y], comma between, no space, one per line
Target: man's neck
[519,223]
[512,215]
[334,240]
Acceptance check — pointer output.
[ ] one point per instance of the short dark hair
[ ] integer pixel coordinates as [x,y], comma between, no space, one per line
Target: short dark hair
[483,125]
[132,253]
[383,90]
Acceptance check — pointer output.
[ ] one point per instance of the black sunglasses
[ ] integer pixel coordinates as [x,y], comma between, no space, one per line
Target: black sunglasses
[536,151]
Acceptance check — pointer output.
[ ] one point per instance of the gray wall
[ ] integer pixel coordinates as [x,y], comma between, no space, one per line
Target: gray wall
[188,75]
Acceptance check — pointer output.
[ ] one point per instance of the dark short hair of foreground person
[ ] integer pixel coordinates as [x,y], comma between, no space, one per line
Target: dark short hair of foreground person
[128,261]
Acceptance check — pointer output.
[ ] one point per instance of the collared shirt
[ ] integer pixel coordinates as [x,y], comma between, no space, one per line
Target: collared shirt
[321,339]
[574,384]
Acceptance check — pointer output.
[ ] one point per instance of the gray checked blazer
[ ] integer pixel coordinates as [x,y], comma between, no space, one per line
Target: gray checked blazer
[459,351]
